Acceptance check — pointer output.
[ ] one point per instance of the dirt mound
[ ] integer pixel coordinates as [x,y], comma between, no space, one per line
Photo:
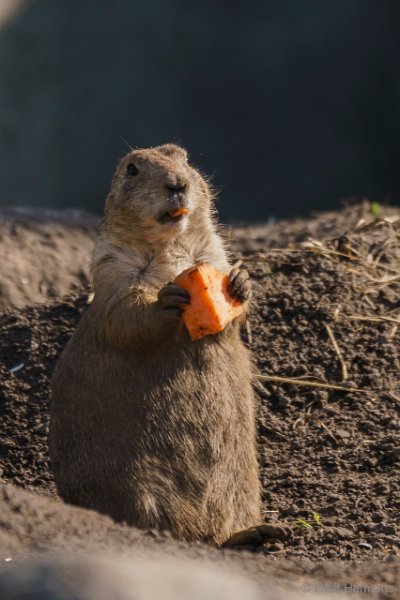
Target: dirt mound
[116,577]
[319,226]
[324,330]
[43,254]
[31,525]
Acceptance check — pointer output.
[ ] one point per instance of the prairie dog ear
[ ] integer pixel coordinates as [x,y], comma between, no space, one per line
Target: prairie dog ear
[171,149]
[184,152]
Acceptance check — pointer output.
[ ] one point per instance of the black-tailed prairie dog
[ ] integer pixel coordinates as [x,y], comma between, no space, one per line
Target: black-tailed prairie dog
[148,426]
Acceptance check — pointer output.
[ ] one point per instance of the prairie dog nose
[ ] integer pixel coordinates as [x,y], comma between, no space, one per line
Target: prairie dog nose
[175,183]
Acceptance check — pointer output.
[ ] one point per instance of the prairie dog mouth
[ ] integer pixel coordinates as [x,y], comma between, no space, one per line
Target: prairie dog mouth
[174,215]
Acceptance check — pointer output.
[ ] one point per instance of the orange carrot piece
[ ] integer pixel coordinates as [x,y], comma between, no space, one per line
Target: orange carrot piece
[211,307]
[177,212]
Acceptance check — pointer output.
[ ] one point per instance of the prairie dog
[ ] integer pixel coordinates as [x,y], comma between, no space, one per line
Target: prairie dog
[146,425]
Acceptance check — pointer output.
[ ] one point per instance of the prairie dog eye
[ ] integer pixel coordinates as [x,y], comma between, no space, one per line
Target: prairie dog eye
[132,169]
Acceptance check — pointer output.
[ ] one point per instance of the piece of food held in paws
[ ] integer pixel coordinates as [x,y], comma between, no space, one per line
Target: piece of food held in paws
[211,305]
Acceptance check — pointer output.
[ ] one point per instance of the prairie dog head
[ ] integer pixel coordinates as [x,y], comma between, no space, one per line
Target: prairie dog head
[156,196]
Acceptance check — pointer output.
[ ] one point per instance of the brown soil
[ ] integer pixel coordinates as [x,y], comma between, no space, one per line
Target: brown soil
[43,254]
[330,458]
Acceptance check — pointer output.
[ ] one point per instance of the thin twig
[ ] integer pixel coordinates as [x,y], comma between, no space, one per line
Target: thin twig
[394,397]
[297,421]
[369,301]
[307,383]
[261,257]
[335,345]
[237,264]
[382,281]
[359,259]
[279,434]
[328,431]
[372,318]
[249,333]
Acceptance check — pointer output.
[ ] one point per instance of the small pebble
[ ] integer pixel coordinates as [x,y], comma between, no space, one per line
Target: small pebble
[365,545]
[17,368]
[41,429]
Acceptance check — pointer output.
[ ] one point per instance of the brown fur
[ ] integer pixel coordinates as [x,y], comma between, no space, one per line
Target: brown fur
[146,425]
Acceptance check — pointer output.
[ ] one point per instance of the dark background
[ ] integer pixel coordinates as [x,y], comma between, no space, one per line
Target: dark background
[291,105]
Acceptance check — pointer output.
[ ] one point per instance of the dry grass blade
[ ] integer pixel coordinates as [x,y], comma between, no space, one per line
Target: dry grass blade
[249,333]
[383,281]
[308,383]
[372,318]
[360,260]
[339,354]
[237,264]
[328,431]
[259,257]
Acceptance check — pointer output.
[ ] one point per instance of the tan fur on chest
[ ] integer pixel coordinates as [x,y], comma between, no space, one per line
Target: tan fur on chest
[154,267]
